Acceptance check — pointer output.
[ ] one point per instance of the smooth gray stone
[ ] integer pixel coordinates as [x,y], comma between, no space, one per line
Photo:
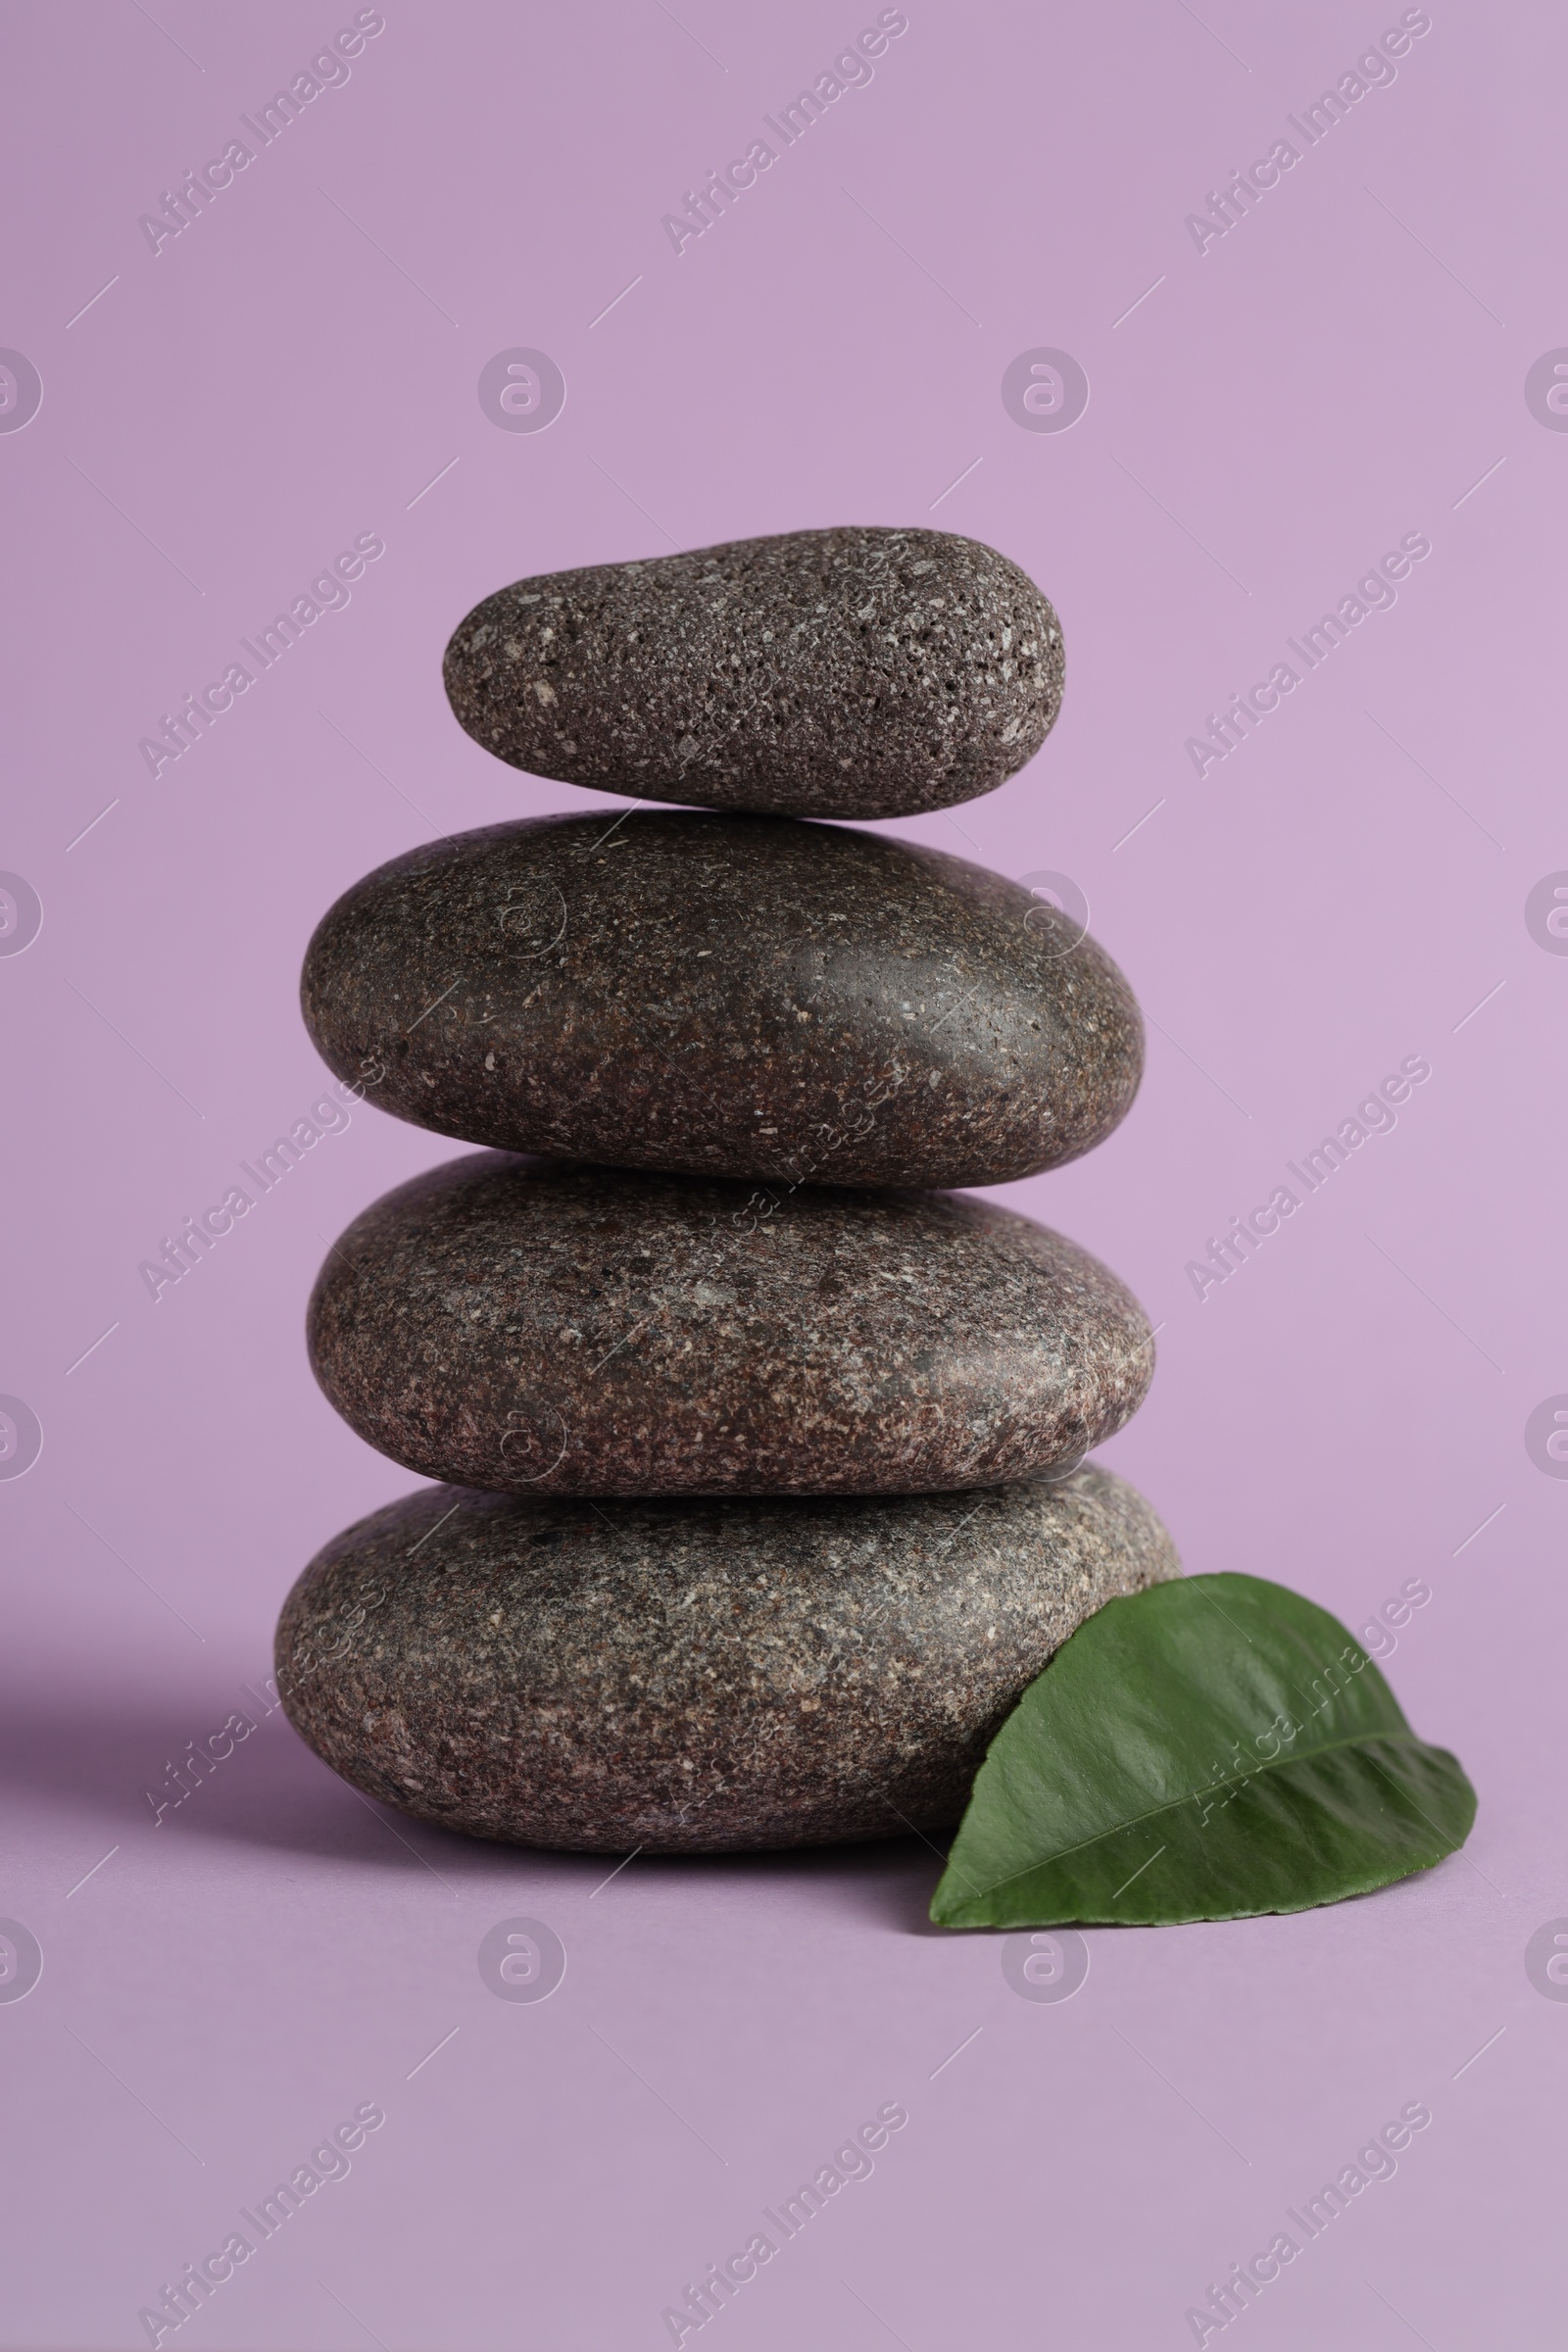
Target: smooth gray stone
[733,996]
[690,1678]
[530,1327]
[851,673]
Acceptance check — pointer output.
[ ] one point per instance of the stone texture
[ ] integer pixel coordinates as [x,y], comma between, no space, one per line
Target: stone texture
[733,996]
[852,672]
[526,1327]
[695,1677]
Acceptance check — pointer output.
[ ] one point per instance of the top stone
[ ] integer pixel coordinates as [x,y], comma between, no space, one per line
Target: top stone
[860,673]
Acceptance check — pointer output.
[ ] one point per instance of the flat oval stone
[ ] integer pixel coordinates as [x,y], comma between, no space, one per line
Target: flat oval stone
[533,1329]
[695,1678]
[854,673]
[733,996]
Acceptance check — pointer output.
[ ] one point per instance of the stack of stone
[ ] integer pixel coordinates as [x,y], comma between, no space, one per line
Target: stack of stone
[759,1446]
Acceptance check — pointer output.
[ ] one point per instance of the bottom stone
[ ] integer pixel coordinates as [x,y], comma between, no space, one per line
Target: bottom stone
[695,1677]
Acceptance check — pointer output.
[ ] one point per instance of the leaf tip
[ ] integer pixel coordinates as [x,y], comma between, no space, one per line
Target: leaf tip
[948,1907]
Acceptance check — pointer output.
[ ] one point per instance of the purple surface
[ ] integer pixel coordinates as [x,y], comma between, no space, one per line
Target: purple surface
[1266,417]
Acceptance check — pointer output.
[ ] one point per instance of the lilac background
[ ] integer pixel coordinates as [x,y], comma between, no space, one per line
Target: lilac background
[1339,370]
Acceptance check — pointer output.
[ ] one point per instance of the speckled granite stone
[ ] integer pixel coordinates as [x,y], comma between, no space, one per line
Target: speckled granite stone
[853,672]
[526,1327]
[695,1678]
[733,996]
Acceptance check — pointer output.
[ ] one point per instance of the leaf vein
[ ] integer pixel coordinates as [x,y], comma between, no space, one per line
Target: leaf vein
[1238,1780]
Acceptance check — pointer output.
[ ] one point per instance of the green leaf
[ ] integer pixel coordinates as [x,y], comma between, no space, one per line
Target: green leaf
[1208,1748]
